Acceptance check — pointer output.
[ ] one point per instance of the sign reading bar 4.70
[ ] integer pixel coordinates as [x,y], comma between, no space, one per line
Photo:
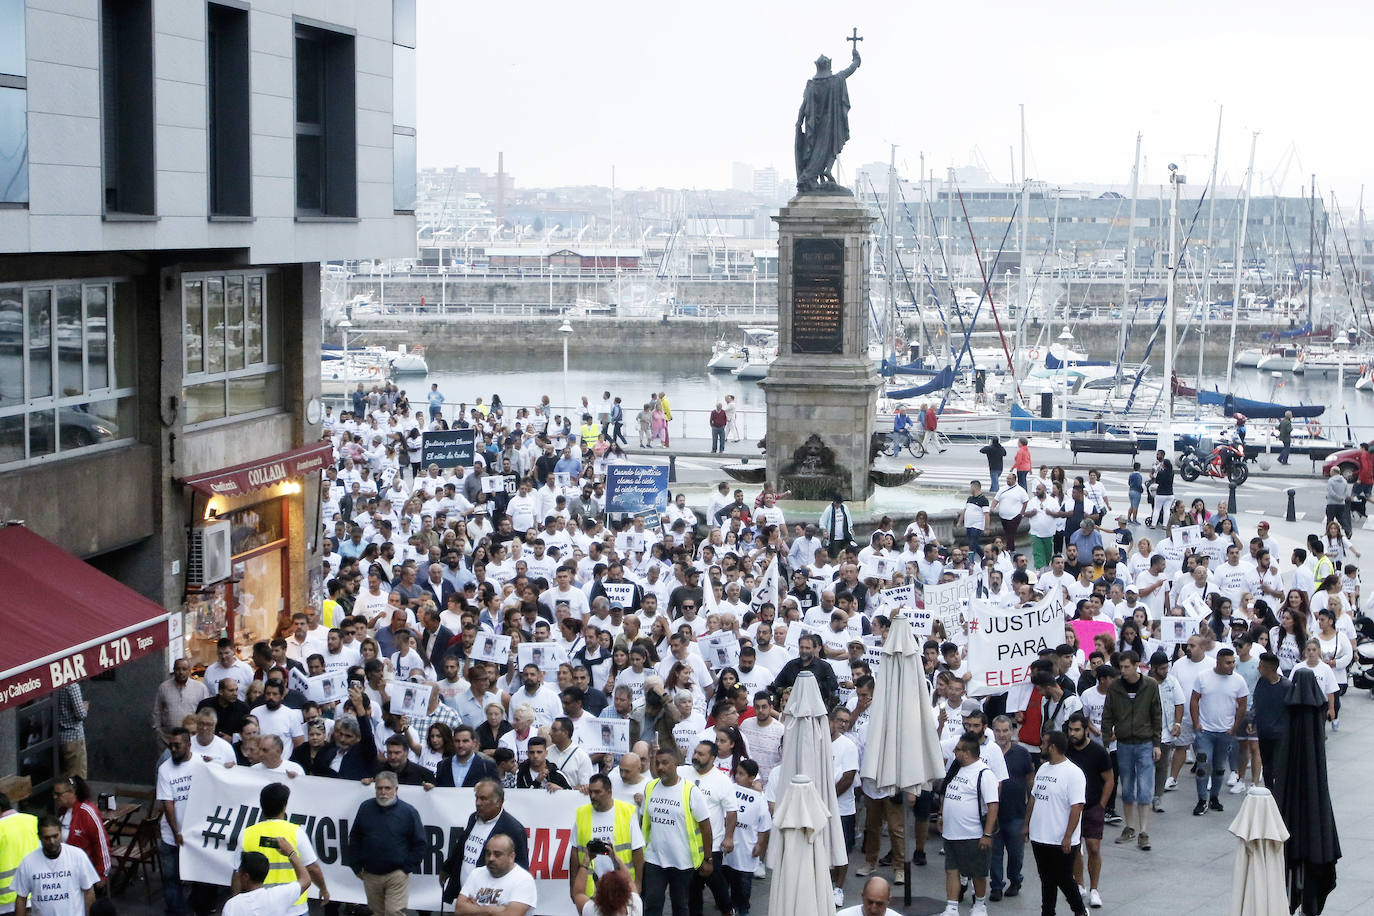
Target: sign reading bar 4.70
[448,448]
[95,658]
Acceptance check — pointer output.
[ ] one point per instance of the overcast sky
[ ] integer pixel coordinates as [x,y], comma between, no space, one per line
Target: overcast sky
[672,94]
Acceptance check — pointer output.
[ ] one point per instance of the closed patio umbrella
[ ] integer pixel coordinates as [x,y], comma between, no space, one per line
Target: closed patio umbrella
[799,858]
[1257,881]
[1304,797]
[806,752]
[903,748]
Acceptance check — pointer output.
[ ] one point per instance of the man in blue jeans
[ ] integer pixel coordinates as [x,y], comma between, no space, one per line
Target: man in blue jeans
[1009,837]
[173,788]
[1218,705]
[1133,716]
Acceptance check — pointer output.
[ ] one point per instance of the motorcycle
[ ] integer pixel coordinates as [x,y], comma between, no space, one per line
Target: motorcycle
[1226,461]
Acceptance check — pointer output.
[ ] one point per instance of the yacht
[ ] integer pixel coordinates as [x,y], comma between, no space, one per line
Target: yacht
[727,356]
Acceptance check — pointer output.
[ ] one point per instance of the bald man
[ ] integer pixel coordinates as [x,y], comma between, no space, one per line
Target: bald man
[876,896]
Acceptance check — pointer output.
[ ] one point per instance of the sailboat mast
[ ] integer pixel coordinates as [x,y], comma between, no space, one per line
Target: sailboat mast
[1129,272]
[1311,244]
[1023,300]
[889,268]
[1207,259]
[1240,263]
[1170,315]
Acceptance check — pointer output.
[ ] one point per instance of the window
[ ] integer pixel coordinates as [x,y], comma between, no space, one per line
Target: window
[126,65]
[14,121]
[227,78]
[232,345]
[67,367]
[326,136]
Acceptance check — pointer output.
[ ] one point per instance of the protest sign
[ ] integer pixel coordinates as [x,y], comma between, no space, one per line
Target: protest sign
[619,594]
[1087,631]
[545,656]
[922,620]
[331,687]
[720,649]
[1186,536]
[224,802]
[607,736]
[874,656]
[562,479]
[1002,644]
[409,699]
[448,448]
[900,596]
[631,488]
[1175,630]
[948,602]
[488,648]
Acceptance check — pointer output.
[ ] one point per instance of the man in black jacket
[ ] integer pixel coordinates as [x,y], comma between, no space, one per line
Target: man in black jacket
[809,659]
[469,847]
[353,753]
[398,762]
[466,767]
[386,845]
[434,636]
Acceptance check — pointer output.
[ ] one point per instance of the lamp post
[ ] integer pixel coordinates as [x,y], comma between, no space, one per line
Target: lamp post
[566,330]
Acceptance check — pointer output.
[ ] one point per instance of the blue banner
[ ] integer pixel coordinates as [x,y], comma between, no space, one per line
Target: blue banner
[448,448]
[632,488]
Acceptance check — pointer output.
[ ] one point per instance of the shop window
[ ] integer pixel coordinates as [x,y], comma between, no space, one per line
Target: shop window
[232,344]
[66,368]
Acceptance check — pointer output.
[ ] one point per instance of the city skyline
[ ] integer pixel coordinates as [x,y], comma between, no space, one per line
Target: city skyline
[672,99]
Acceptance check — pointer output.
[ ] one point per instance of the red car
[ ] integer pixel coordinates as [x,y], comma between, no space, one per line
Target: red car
[1348,459]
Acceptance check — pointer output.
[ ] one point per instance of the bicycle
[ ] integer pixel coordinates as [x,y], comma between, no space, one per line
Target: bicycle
[892,447]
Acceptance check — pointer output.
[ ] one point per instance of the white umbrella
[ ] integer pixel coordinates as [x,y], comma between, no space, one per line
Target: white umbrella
[806,752]
[799,858]
[903,748]
[1258,886]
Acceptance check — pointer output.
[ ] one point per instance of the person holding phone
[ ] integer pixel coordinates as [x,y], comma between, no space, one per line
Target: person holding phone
[279,842]
[614,893]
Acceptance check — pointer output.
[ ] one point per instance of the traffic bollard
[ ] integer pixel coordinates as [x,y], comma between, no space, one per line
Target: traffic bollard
[1292,515]
[672,468]
[1231,499]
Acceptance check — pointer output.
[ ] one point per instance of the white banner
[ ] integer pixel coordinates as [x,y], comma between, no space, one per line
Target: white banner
[1002,644]
[224,802]
[948,602]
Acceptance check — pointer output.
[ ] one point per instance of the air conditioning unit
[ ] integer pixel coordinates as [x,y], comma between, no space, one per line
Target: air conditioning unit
[209,556]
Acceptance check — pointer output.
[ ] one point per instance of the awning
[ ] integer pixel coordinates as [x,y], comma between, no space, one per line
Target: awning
[244,478]
[64,619]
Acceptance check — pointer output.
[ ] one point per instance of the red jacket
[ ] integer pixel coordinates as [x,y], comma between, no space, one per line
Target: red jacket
[87,833]
[1365,472]
[931,419]
[1023,459]
[718,419]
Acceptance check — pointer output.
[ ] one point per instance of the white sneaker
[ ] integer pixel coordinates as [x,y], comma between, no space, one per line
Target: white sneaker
[951,909]
[980,906]
[1335,725]
[1170,784]
[1232,779]
[838,895]
[761,871]
[1240,788]
[1094,898]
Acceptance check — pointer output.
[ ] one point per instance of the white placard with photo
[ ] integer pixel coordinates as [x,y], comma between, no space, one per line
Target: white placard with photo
[720,649]
[562,480]
[331,687]
[545,656]
[490,648]
[1175,630]
[607,736]
[408,699]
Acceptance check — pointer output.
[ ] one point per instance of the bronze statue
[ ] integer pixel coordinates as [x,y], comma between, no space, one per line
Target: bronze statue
[823,124]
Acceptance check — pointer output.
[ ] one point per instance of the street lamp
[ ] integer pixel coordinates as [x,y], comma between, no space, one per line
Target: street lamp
[566,330]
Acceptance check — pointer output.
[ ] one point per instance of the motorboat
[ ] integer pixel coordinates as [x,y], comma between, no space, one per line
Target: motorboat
[1249,357]
[756,363]
[1280,359]
[408,360]
[727,356]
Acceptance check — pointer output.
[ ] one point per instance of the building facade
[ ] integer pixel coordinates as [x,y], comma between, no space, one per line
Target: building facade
[172,174]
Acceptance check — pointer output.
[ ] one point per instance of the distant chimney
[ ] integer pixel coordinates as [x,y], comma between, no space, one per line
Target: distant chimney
[500,189]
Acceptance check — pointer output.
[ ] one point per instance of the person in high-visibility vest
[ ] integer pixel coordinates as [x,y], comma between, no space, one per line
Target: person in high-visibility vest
[613,822]
[262,837]
[677,848]
[590,431]
[18,838]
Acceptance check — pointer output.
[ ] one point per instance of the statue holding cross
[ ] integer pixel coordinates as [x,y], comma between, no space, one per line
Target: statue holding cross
[823,124]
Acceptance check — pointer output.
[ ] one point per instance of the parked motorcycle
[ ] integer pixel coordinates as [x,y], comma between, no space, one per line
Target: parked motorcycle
[1226,461]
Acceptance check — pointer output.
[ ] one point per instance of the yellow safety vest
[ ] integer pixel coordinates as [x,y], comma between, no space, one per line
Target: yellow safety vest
[279,867]
[590,434]
[693,828]
[330,613]
[18,838]
[624,817]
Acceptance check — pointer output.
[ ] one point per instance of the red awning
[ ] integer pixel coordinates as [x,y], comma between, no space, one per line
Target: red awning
[64,619]
[244,478]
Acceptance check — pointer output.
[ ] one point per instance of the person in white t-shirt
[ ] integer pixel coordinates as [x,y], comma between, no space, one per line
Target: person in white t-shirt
[1054,819]
[1218,705]
[844,755]
[276,719]
[270,747]
[56,879]
[266,899]
[967,821]
[668,863]
[500,885]
[207,745]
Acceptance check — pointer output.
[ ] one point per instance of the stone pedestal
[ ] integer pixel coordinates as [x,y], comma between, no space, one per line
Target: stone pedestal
[821,389]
